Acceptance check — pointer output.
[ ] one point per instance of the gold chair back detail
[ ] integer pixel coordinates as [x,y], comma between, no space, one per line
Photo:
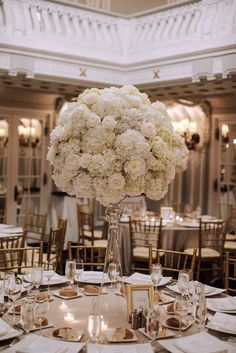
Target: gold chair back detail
[230,274]
[92,256]
[35,224]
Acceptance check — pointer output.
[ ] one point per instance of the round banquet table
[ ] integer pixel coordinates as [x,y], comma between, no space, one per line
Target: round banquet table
[114,313]
[174,237]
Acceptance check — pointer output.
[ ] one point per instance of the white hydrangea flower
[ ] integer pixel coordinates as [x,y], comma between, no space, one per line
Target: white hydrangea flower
[113,143]
[182,157]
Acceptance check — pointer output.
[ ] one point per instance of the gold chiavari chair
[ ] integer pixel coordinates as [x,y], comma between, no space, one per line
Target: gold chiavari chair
[18,259]
[13,241]
[230,274]
[230,241]
[172,261]
[55,249]
[35,224]
[143,233]
[210,251]
[93,256]
[87,233]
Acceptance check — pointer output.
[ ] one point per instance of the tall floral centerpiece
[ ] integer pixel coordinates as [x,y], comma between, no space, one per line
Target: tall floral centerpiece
[113,143]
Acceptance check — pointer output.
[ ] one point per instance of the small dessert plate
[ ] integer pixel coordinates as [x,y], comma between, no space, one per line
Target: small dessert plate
[111,337]
[67,334]
[57,294]
[185,324]
[165,333]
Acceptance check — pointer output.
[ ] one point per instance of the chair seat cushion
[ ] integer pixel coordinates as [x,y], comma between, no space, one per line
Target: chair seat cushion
[231,236]
[141,252]
[206,252]
[231,245]
[97,234]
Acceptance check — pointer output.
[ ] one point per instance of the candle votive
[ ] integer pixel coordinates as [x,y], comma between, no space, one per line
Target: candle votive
[69,316]
[63,306]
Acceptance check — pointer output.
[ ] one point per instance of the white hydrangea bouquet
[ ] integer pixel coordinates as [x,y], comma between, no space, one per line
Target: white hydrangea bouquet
[112,143]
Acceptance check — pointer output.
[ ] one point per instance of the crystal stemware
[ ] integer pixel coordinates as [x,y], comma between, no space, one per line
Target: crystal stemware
[79,270]
[37,276]
[181,309]
[153,324]
[27,283]
[156,275]
[6,282]
[70,271]
[40,310]
[14,291]
[94,327]
[113,273]
[184,278]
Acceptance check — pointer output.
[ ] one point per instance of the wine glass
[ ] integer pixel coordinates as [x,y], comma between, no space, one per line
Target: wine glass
[184,278]
[27,314]
[181,309]
[37,276]
[6,281]
[113,273]
[27,283]
[153,324]
[14,292]
[94,327]
[156,275]
[70,271]
[48,274]
[199,304]
[40,310]
[79,270]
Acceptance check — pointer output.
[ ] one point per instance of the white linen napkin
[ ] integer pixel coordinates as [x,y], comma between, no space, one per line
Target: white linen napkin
[42,347]
[121,348]
[223,322]
[141,278]
[201,343]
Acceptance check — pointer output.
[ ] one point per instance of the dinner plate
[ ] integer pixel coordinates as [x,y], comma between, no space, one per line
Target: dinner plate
[67,334]
[214,305]
[223,323]
[110,337]
[165,333]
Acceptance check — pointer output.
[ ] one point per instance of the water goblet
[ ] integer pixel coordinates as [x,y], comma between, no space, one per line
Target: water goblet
[27,314]
[181,309]
[48,274]
[27,283]
[113,273]
[199,304]
[14,292]
[153,323]
[94,327]
[37,276]
[70,271]
[40,310]
[79,269]
[184,278]
[6,282]
[156,275]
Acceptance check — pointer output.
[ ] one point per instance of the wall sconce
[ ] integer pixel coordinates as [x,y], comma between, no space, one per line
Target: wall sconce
[3,133]
[29,132]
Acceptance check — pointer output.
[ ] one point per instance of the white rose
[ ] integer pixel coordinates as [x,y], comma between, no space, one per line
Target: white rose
[135,167]
[93,120]
[72,162]
[116,181]
[109,122]
[148,129]
[85,160]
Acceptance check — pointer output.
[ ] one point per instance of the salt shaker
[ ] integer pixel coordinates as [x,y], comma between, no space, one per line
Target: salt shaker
[135,320]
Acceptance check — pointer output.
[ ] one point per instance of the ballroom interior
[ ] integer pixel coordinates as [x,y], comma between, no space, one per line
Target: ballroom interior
[166,268]
[179,52]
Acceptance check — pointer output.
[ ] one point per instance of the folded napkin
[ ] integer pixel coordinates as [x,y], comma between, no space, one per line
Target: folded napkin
[120,348]
[223,322]
[201,343]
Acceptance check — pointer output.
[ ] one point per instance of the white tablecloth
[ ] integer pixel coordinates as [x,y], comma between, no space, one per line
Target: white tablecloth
[65,207]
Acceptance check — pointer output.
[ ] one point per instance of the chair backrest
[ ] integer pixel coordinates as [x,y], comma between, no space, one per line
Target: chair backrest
[55,248]
[230,274]
[85,217]
[212,235]
[3,215]
[62,223]
[172,261]
[18,259]
[92,256]
[35,224]
[13,241]
[232,219]
[145,232]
